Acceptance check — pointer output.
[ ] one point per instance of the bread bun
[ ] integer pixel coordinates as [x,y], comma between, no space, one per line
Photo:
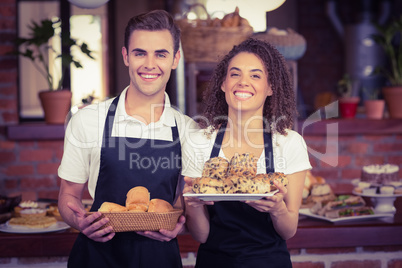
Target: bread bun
[320,189]
[196,185]
[138,199]
[137,208]
[260,184]
[242,184]
[216,167]
[321,193]
[310,180]
[277,176]
[305,193]
[111,207]
[159,205]
[320,180]
[207,185]
[243,165]
[230,184]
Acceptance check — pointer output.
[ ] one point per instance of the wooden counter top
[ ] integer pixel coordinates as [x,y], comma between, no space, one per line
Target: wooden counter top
[311,233]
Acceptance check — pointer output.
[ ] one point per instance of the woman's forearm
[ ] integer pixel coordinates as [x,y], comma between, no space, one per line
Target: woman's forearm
[197,222]
[285,222]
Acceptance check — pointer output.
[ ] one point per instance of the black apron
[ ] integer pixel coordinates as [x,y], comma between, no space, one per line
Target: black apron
[124,164]
[240,236]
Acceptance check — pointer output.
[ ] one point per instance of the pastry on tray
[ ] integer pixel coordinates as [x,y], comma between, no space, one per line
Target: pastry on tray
[243,165]
[33,222]
[238,178]
[216,167]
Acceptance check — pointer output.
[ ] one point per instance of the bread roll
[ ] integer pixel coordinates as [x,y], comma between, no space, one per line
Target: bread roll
[243,184]
[320,180]
[277,176]
[196,185]
[243,165]
[207,185]
[230,184]
[137,208]
[310,180]
[159,205]
[320,189]
[305,193]
[260,184]
[138,199]
[111,207]
[216,167]
[321,193]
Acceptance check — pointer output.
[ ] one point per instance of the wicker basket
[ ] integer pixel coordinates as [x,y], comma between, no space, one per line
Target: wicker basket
[141,221]
[204,43]
[292,45]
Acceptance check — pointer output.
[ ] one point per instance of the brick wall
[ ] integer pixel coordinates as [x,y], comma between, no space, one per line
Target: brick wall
[351,152]
[360,257]
[30,167]
[8,64]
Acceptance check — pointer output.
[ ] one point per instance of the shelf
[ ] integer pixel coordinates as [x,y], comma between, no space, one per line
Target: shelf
[42,131]
[35,131]
[350,127]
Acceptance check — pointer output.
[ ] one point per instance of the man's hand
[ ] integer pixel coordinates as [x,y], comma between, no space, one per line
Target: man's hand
[166,235]
[89,226]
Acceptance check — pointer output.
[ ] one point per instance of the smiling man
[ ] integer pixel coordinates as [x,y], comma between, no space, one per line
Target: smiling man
[125,142]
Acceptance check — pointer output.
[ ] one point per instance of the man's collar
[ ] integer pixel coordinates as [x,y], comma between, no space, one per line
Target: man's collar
[167,117]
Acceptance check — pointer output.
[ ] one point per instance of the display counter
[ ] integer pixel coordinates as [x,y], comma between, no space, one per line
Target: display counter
[311,233]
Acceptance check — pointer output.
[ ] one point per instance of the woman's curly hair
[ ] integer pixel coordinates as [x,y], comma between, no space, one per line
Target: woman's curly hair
[279,109]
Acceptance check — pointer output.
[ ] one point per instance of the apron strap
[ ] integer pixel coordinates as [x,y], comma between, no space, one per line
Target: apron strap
[218,141]
[269,151]
[110,119]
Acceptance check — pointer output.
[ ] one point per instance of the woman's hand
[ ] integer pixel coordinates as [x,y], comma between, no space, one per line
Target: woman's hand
[193,201]
[89,226]
[272,204]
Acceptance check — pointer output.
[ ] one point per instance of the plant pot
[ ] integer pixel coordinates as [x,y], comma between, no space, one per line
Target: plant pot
[348,106]
[374,108]
[393,99]
[56,105]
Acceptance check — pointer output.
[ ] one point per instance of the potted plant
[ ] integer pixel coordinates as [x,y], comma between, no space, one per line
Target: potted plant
[348,102]
[374,106]
[37,48]
[389,38]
